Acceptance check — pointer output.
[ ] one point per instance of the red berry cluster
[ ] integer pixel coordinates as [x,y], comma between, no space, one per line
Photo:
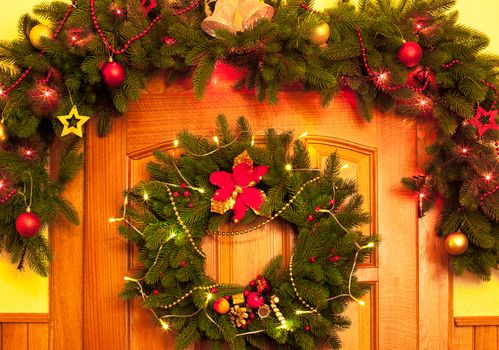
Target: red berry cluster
[186,194]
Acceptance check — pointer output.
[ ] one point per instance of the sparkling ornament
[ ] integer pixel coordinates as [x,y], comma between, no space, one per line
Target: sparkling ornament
[264,311]
[28,224]
[237,190]
[113,74]
[44,99]
[254,300]
[238,316]
[410,54]
[221,306]
[65,119]
[236,16]
[37,33]
[456,243]
[320,34]
[4,133]
[484,120]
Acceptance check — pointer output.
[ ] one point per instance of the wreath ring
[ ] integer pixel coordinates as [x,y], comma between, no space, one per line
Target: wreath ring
[298,305]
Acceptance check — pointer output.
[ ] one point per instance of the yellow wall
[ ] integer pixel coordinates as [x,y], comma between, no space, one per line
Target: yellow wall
[25,292]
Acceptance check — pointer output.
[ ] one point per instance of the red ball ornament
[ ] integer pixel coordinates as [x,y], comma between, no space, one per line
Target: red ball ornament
[187,193]
[183,185]
[410,54]
[175,194]
[44,99]
[190,205]
[155,292]
[254,300]
[28,224]
[307,328]
[113,74]
[246,293]
[183,264]
[312,259]
[310,218]
[317,209]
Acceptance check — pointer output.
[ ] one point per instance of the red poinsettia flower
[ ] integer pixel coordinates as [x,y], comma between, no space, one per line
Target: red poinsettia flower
[237,190]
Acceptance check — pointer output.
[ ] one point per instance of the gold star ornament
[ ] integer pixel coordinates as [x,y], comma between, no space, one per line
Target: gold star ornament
[68,127]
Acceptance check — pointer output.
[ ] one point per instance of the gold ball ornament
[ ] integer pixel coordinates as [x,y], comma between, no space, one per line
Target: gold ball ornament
[4,133]
[320,34]
[456,243]
[37,33]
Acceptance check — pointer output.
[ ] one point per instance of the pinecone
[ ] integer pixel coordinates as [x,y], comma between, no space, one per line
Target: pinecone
[238,316]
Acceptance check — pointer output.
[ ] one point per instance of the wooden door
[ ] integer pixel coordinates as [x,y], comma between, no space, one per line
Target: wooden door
[378,154]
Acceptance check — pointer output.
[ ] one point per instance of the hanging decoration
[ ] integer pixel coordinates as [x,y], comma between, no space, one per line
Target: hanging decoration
[236,16]
[456,243]
[281,299]
[4,133]
[70,129]
[39,33]
[113,74]
[320,34]
[484,120]
[410,54]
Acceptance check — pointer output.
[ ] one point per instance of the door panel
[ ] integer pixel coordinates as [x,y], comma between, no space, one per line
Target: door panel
[378,155]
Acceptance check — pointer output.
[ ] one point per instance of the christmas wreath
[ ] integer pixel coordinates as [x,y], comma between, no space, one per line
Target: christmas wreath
[298,305]
[412,57]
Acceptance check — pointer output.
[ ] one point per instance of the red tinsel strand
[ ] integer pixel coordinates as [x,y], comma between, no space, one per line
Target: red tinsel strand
[373,75]
[308,8]
[489,193]
[5,92]
[493,87]
[450,64]
[129,42]
[187,9]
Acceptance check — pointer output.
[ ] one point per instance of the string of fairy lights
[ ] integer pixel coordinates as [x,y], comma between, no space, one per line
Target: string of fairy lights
[211,289]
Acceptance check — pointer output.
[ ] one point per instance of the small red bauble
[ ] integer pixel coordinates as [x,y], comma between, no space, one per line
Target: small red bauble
[28,224]
[252,283]
[332,201]
[190,205]
[246,293]
[317,209]
[312,259]
[254,300]
[183,264]
[175,194]
[410,54]
[221,306]
[307,328]
[213,290]
[334,259]
[187,194]
[183,185]
[310,218]
[113,74]
[155,292]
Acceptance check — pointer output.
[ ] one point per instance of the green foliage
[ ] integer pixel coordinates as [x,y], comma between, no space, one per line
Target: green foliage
[173,266]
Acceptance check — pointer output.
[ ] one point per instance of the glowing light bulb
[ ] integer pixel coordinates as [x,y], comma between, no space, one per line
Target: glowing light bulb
[146,197]
[421,195]
[2,184]
[164,325]
[305,134]
[209,297]
[252,140]
[464,150]
[344,166]
[46,93]
[216,139]
[288,167]
[175,143]
[361,302]
[488,177]
[200,190]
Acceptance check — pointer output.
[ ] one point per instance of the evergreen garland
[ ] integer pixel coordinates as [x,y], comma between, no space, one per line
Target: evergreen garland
[455,76]
[173,283]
